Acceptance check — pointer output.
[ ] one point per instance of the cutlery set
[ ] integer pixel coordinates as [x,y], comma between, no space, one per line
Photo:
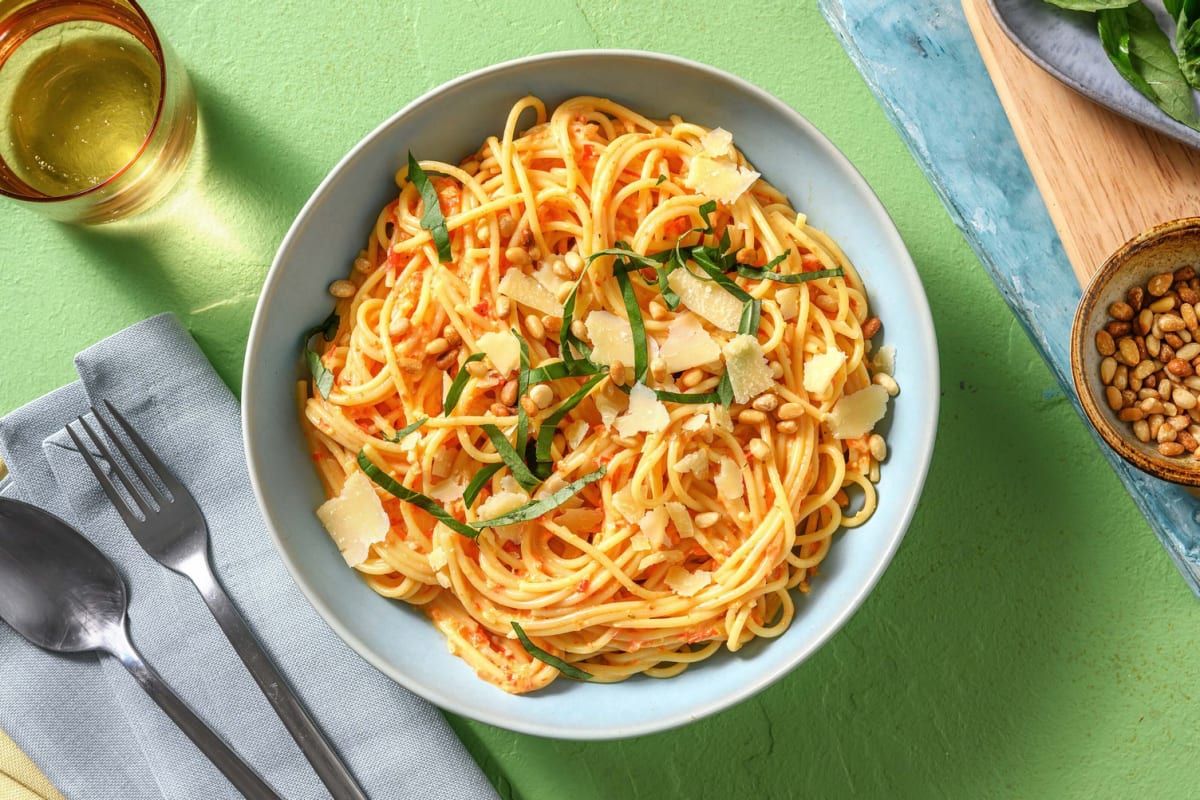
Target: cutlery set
[63,594]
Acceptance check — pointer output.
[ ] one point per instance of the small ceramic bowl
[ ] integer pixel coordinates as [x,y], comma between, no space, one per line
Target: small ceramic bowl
[1165,248]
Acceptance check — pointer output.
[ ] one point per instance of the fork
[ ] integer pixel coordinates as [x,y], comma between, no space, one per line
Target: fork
[172,530]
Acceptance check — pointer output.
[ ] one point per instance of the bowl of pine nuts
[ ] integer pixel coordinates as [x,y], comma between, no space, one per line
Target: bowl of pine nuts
[1135,351]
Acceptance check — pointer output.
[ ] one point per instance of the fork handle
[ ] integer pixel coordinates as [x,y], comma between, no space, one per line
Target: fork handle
[239,773]
[328,765]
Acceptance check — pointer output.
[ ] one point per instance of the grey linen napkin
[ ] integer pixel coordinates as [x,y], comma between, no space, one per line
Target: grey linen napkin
[86,723]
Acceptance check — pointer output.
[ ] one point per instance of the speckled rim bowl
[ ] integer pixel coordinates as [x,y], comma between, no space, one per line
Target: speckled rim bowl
[1163,248]
[448,123]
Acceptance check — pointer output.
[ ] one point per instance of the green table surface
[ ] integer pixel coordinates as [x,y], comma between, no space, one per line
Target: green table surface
[1030,639]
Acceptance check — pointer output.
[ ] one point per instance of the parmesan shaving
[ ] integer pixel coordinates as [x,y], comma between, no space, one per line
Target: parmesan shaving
[729,479]
[646,413]
[611,337]
[502,350]
[687,584]
[355,519]
[719,178]
[856,414]
[746,365]
[688,344]
[518,286]
[707,299]
[820,370]
[654,524]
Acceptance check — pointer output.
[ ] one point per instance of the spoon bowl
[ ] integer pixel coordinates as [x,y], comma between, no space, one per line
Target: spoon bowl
[62,594]
[56,588]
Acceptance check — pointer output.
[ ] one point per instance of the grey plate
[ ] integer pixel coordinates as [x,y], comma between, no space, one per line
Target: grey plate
[1065,44]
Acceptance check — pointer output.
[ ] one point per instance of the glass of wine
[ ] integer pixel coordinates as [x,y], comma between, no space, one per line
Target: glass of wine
[97,116]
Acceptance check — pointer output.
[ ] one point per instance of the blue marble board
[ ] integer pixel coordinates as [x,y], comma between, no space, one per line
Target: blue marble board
[920,60]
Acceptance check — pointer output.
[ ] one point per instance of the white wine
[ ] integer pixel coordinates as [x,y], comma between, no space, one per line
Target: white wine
[81,108]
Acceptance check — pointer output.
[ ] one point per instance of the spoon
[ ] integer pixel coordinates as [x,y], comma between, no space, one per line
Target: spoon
[62,594]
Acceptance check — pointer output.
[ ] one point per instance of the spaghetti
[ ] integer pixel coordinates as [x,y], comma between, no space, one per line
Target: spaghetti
[614,399]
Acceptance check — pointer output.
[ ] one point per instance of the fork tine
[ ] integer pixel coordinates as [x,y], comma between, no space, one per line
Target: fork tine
[106,484]
[164,473]
[151,487]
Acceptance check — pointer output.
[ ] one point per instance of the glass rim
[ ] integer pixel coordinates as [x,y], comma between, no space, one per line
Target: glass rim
[158,50]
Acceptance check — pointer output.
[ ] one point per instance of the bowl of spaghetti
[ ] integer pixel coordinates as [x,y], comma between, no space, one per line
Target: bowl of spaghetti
[584,407]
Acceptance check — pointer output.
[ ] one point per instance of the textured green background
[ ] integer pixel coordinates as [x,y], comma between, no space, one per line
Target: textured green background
[1029,640]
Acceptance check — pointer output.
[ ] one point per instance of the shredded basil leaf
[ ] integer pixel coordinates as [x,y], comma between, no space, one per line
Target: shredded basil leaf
[554,661]
[459,383]
[661,180]
[322,377]
[637,325]
[478,482]
[407,429]
[568,342]
[522,388]
[511,458]
[705,210]
[432,218]
[563,369]
[545,437]
[536,508]
[423,502]
[764,274]
[751,318]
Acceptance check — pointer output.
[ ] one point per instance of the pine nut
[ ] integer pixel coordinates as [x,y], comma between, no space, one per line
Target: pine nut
[1145,321]
[887,382]
[751,416]
[561,269]
[1162,304]
[399,327]
[1121,310]
[657,310]
[766,402]
[1105,345]
[1183,399]
[760,449]
[446,360]
[408,364]
[877,446]
[1113,396]
[1128,351]
[616,371]
[1131,414]
[658,369]
[530,407]
[692,378]
[578,329]
[551,324]
[1141,429]
[1159,284]
[343,289]
[517,255]
[437,347]
[788,426]
[1136,296]
[477,369]
[574,261]
[1108,368]
[1188,351]
[534,327]
[706,520]
[776,369]
[1143,370]
[508,394]
[451,335]
[503,306]
[542,395]
[1170,448]
[791,411]
[1121,377]
[507,225]
[500,410]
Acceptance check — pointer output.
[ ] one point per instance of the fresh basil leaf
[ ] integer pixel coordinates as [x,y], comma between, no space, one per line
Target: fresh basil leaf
[522,389]
[432,218]
[511,458]
[406,430]
[459,383]
[1142,54]
[1174,7]
[641,360]
[480,480]
[1187,41]
[706,209]
[536,508]
[554,661]
[751,318]
[763,274]
[563,369]
[725,391]
[1090,5]
[322,377]
[423,502]
[545,437]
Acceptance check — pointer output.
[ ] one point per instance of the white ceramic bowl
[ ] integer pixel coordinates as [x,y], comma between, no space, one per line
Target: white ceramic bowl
[450,122]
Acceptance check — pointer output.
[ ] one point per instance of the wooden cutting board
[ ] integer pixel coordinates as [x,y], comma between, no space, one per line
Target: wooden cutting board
[1104,178]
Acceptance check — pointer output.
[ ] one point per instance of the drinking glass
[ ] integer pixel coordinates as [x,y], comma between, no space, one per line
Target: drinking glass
[97,116]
